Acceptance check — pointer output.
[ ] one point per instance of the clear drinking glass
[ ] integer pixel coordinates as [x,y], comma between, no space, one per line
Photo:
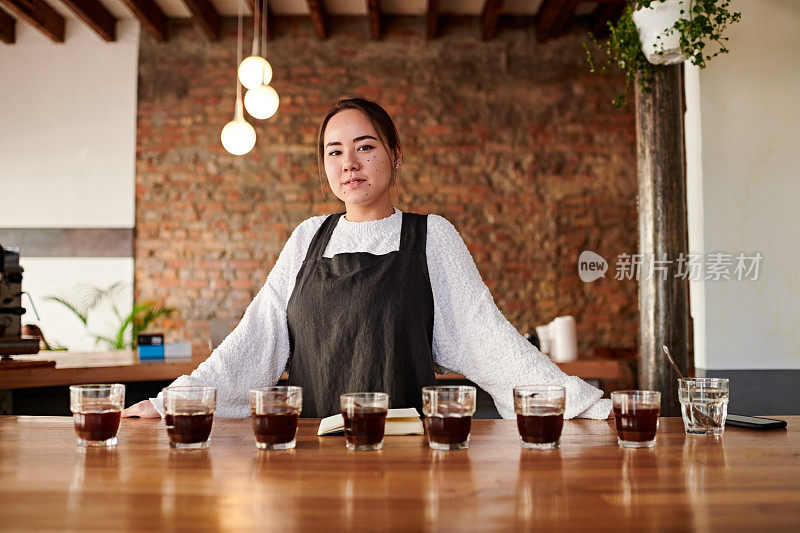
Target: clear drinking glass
[448,416]
[540,415]
[704,405]
[189,416]
[636,416]
[364,416]
[96,411]
[275,412]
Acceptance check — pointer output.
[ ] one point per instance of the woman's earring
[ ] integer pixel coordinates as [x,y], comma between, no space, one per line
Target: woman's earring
[397,167]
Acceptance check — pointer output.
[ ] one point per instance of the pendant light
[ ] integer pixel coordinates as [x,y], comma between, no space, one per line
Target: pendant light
[262,101]
[254,69]
[238,137]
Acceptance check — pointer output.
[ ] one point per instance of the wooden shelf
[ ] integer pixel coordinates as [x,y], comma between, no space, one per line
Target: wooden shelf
[73,368]
[124,366]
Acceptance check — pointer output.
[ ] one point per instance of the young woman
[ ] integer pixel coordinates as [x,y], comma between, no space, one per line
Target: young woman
[373,299]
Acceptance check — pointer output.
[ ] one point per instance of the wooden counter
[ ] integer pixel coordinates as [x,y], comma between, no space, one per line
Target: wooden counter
[750,480]
[124,366]
[107,367]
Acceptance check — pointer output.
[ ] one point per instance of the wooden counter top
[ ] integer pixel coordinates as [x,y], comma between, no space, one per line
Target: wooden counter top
[74,368]
[124,366]
[750,480]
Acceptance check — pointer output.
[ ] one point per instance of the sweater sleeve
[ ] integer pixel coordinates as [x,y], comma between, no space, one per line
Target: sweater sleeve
[255,353]
[473,338]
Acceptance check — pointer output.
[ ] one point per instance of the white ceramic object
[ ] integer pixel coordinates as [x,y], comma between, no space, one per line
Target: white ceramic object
[565,339]
[559,339]
[652,23]
[545,343]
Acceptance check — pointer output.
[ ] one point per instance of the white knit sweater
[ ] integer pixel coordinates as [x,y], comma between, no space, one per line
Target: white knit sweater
[470,334]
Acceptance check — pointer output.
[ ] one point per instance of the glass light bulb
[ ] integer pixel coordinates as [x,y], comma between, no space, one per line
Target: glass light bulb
[267,72]
[251,71]
[238,137]
[261,102]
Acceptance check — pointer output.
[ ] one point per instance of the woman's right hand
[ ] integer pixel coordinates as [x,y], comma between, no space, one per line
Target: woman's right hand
[142,409]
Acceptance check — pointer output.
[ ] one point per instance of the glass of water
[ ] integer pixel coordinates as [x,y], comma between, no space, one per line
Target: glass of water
[704,405]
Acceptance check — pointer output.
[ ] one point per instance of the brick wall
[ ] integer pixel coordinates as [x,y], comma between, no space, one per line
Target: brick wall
[514,142]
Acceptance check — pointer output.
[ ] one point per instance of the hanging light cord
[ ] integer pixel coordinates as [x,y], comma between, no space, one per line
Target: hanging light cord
[238,61]
[256,25]
[264,13]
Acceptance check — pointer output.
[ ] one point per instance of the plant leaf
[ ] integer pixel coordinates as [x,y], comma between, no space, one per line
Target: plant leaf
[81,312]
[145,314]
[110,342]
[94,296]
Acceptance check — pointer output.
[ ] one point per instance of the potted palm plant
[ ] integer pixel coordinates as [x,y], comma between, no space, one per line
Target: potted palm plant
[657,32]
[128,323]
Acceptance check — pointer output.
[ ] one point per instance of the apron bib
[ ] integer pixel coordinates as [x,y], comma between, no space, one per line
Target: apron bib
[360,322]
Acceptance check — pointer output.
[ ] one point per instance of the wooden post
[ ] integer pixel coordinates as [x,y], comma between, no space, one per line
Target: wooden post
[663,299]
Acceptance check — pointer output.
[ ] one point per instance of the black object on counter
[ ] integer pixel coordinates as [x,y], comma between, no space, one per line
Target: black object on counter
[150,339]
[533,338]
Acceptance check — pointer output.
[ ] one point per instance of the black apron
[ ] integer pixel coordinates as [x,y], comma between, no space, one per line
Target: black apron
[360,322]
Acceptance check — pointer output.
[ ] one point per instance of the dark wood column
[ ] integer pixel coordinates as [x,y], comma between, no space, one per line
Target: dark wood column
[663,299]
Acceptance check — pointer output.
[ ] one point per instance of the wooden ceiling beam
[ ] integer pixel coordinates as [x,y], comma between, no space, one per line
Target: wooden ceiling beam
[151,17]
[374,12]
[270,16]
[553,17]
[319,18]
[432,20]
[604,13]
[206,16]
[40,15]
[8,28]
[489,18]
[96,16]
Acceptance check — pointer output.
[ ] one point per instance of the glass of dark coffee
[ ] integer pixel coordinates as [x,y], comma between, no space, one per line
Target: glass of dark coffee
[275,412]
[364,416]
[189,416]
[96,411]
[540,415]
[448,416]
[636,417]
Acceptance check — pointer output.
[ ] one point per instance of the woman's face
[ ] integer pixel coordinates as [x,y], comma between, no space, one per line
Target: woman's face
[358,166]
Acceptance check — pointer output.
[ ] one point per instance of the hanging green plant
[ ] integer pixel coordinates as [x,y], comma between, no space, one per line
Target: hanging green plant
[696,34]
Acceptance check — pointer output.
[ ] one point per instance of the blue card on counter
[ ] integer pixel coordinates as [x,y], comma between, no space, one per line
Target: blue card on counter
[151,352]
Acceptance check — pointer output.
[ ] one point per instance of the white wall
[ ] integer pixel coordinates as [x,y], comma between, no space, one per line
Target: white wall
[67,159]
[69,128]
[743,188]
[64,277]
[694,203]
